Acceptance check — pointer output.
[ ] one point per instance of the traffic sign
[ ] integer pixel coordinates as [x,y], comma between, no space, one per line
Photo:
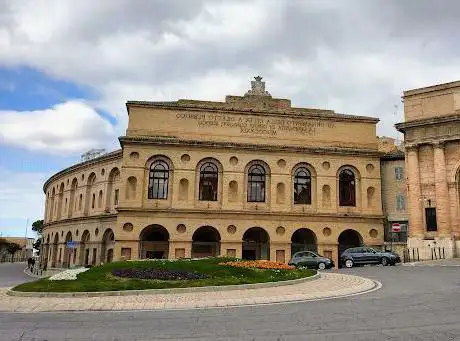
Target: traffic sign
[396,227]
[71,244]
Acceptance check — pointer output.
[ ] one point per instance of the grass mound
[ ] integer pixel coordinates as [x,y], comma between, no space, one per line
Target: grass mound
[102,278]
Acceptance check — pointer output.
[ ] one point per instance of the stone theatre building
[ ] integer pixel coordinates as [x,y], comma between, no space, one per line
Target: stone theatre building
[432,143]
[251,177]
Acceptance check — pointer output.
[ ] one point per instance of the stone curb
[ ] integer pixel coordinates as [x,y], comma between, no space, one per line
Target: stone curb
[30,274]
[47,274]
[163,291]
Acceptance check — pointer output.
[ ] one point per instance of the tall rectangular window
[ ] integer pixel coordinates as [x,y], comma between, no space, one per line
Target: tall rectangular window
[400,202]
[430,217]
[399,173]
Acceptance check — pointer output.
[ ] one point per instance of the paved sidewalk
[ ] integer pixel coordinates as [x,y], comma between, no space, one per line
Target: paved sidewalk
[438,262]
[329,285]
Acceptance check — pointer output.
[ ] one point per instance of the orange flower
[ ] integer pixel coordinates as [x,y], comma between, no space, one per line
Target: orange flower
[260,264]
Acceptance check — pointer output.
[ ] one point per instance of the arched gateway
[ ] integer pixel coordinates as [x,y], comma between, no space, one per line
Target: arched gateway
[256,243]
[154,242]
[349,238]
[303,240]
[108,240]
[205,242]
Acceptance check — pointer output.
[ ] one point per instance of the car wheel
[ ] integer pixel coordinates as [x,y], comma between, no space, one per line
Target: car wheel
[384,261]
[349,263]
[321,266]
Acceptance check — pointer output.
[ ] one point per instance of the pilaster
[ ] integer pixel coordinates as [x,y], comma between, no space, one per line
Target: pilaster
[416,228]
[442,192]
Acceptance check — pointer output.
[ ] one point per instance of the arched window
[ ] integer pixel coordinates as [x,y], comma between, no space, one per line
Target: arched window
[302,186]
[347,195]
[158,180]
[256,183]
[209,178]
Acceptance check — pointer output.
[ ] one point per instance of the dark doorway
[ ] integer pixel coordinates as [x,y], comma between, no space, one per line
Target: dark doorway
[87,257]
[205,242]
[154,241]
[249,254]
[256,244]
[348,239]
[303,240]
[154,254]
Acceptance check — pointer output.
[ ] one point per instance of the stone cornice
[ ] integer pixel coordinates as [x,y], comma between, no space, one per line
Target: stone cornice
[104,216]
[104,158]
[248,214]
[173,141]
[431,141]
[403,126]
[225,108]
[437,87]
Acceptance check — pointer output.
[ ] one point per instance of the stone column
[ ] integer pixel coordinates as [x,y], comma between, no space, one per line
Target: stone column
[442,192]
[416,228]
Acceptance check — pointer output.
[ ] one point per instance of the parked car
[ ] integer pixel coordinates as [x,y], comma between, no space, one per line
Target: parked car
[311,259]
[367,255]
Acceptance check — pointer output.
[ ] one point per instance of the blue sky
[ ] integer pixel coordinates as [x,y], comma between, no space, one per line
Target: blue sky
[27,89]
[68,67]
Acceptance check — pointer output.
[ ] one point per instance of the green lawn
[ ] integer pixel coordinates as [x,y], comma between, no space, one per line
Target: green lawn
[100,278]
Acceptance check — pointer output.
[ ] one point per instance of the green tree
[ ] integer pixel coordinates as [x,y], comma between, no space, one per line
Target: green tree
[37,226]
[12,248]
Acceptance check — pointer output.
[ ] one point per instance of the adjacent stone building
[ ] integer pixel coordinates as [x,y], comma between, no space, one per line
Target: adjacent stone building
[394,192]
[432,148]
[250,177]
[25,251]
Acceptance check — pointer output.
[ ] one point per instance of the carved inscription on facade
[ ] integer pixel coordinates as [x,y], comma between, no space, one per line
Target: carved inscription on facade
[255,125]
[433,132]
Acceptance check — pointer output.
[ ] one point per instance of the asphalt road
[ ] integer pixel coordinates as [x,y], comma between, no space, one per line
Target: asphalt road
[415,303]
[12,274]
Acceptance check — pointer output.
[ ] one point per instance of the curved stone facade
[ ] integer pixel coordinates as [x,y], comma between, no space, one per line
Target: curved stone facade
[251,177]
[81,205]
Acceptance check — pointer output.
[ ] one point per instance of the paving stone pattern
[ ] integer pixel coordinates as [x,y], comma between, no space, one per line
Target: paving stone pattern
[328,285]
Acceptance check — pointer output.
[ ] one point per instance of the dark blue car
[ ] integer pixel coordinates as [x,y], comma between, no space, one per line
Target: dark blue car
[366,255]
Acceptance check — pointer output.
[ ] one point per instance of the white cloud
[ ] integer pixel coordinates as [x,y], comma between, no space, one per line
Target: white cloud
[66,128]
[21,195]
[354,58]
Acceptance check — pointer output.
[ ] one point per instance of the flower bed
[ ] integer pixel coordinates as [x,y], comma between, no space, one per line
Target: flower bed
[260,264]
[161,274]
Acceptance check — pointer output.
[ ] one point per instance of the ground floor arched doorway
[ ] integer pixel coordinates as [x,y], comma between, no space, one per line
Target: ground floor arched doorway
[154,242]
[67,251]
[256,244]
[348,238]
[303,240]
[108,240]
[205,242]
[84,248]
[55,251]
